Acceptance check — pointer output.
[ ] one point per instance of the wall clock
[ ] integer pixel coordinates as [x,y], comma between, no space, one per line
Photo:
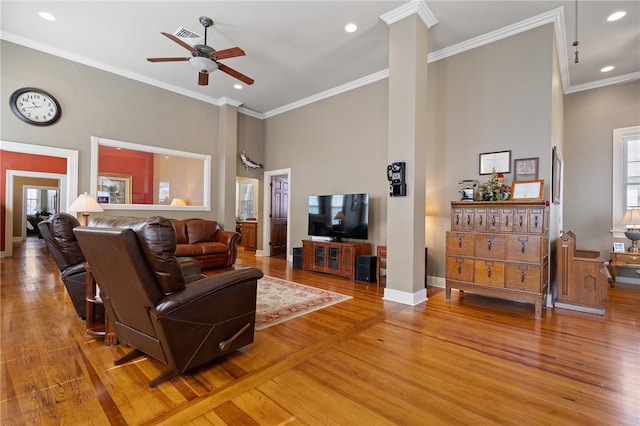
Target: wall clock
[35,106]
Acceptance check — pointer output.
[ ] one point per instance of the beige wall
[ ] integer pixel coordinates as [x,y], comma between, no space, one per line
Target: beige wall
[97,103]
[335,146]
[590,118]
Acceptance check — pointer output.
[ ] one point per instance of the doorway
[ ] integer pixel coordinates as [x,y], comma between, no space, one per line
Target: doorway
[278,226]
[38,203]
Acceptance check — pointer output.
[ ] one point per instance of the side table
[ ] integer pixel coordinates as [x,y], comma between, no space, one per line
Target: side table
[622,259]
[95,325]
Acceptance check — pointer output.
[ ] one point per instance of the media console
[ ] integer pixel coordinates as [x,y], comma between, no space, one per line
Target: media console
[333,257]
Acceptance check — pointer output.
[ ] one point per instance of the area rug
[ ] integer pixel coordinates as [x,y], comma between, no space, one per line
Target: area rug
[280,300]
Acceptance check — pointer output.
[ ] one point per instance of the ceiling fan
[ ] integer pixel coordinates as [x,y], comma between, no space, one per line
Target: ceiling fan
[205,58]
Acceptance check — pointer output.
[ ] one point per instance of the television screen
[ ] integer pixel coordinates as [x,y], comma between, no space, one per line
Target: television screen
[339,216]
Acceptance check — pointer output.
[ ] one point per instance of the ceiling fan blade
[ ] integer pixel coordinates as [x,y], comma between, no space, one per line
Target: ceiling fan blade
[236,74]
[203,79]
[180,42]
[167,59]
[228,53]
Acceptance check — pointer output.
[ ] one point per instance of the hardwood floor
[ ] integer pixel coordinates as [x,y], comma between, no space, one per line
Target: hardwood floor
[472,360]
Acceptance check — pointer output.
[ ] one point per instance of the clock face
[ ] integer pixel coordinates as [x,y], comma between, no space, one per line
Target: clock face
[35,106]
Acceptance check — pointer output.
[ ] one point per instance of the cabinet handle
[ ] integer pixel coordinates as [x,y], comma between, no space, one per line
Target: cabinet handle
[457,219]
[468,220]
[480,220]
[521,221]
[489,272]
[506,221]
[536,221]
[493,221]
[522,244]
[459,267]
[521,276]
[459,242]
[489,244]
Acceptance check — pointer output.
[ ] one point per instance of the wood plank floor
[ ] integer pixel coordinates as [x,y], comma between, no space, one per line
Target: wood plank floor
[472,360]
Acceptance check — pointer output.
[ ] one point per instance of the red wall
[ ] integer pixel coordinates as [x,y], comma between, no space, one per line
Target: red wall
[138,164]
[10,160]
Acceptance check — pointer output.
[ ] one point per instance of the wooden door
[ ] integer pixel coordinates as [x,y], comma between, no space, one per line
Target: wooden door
[279,215]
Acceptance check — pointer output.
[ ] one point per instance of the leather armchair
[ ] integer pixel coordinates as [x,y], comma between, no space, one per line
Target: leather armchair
[181,324]
[58,235]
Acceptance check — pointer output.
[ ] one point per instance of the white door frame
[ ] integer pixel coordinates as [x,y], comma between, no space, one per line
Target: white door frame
[61,182]
[266,229]
[69,189]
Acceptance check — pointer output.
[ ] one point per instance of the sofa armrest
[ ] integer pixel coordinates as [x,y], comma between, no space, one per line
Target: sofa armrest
[189,300]
[227,237]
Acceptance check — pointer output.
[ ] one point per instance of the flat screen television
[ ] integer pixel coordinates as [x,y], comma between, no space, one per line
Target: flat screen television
[339,216]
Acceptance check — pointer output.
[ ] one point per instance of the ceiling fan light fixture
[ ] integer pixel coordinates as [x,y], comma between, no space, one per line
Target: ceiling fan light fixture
[203,65]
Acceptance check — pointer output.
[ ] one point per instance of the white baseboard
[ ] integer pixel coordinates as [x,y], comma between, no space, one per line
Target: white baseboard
[411,299]
[587,309]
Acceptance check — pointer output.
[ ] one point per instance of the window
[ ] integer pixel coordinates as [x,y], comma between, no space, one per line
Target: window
[626,174]
[33,200]
[246,199]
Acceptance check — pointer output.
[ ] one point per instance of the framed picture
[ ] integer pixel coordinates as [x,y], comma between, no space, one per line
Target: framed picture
[501,161]
[527,190]
[618,247]
[525,169]
[114,188]
[556,175]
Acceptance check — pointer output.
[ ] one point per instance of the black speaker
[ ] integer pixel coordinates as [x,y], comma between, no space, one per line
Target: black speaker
[366,269]
[297,258]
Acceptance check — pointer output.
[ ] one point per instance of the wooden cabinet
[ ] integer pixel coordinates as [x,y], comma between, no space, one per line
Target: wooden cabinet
[499,249]
[332,257]
[249,235]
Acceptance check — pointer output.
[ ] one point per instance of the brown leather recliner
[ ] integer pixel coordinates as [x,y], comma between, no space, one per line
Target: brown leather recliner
[58,235]
[182,325]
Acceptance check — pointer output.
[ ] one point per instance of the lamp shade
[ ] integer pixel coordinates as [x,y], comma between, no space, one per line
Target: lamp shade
[85,203]
[204,65]
[178,202]
[631,219]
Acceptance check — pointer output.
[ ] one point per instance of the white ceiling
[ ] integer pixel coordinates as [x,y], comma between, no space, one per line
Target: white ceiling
[298,51]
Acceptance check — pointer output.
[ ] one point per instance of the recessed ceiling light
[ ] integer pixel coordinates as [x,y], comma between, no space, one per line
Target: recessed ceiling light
[607,68]
[617,15]
[351,27]
[237,86]
[47,16]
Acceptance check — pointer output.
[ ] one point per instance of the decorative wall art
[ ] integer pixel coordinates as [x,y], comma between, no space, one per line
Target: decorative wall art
[500,161]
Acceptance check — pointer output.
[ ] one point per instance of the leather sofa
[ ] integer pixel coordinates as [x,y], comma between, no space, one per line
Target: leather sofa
[153,307]
[204,241]
[58,235]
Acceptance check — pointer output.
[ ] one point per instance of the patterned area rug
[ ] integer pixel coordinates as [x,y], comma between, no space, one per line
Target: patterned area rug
[280,300]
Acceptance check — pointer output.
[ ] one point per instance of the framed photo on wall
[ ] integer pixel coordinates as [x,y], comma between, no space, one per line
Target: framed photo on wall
[556,175]
[525,169]
[117,186]
[501,161]
[527,190]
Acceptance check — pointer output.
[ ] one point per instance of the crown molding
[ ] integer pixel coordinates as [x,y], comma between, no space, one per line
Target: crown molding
[418,7]
[106,67]
[604,82]
[371,78]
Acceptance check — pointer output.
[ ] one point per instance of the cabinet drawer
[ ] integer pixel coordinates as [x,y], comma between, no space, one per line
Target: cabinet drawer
[506,220]
[521,220]
[480,219]
[526,248]
[493,220]
[460,243]
[536,221]
[525,277]
[488,272]
[491,246]
[459,269]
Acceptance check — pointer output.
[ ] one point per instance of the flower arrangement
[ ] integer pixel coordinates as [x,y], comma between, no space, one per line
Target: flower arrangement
[495,189]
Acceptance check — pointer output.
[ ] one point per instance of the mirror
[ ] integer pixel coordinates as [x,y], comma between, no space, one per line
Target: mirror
[128,176]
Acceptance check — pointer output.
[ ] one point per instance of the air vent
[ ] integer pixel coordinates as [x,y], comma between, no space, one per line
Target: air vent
[188,36]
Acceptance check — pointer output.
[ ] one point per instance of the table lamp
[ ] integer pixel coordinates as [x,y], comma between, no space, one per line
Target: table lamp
[631,223]
[86,204]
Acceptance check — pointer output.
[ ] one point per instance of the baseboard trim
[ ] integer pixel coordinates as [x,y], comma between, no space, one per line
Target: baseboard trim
[411,299]
[587,309]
